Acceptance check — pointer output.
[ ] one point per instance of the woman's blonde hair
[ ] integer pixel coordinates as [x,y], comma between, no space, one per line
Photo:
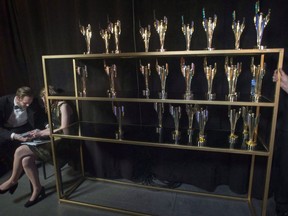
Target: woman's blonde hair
[51,90]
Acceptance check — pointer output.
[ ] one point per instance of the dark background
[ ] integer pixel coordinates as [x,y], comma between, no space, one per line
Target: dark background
[32,28]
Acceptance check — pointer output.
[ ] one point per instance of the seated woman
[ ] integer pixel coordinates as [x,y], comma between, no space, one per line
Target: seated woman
[26,155]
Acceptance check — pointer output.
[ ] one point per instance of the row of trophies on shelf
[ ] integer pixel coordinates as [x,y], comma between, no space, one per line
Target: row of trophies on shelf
[209,24]
[232,73]
[250,123]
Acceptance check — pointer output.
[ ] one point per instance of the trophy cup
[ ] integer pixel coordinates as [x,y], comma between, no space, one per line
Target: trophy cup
[202,118]
[176,113]
[145,33]
[163,73]
[253,122]
[159,108]
[187,31]
[237,29]
[82,74]
[210,74]
[209,27]
[161,27]
[232,73]
[233,118]
[119,113]
[256,81]
[188,73]
[106,35]
[145,70]
[116,30]
[260,21]
[87,33]
[191,110]
[111,71]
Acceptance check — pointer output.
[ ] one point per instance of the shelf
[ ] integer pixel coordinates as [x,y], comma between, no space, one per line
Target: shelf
[167,54]
[217,140]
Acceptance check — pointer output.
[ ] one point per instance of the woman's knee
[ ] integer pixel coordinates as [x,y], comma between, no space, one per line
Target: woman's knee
[28,161]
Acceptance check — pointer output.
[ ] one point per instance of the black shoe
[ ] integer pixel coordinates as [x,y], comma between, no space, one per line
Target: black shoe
[11,189]
[39,197]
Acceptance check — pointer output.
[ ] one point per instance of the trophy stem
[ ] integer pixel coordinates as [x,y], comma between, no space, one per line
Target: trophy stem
[119,113]
[202,118]
[159,108]
[176,113]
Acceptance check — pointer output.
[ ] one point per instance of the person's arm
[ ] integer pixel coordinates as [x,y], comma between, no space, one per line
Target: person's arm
[66,112]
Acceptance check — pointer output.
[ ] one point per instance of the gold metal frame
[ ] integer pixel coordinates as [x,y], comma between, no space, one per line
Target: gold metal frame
[268,154]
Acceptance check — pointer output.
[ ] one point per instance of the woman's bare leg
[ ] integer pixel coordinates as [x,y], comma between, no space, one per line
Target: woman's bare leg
[20,153]
[31,171]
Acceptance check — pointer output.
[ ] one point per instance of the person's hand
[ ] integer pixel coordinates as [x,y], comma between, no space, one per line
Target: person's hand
[21,138]
[283,79]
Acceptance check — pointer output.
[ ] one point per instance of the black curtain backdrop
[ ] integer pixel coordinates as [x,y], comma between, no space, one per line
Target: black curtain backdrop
[32,28]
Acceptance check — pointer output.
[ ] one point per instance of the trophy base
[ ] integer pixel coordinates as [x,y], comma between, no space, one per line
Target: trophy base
[201,140]
[211,96]
[188,96]
[119,135]
[160,50]
[176,136]
[146,93]
[261,47]
[251,143]
[162,95]
[209,48]
[111,94]
[255,98]
[233,139]
[82,94]
[232,97]
[116,51]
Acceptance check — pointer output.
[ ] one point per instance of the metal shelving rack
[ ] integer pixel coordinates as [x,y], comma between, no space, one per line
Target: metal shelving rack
[268,152]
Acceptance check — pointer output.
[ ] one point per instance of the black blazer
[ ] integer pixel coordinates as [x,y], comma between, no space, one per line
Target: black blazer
[36,116]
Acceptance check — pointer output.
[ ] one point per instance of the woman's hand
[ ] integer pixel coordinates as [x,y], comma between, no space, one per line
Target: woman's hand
[283,79]
[38,133]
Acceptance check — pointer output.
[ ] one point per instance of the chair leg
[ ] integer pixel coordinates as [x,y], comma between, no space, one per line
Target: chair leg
[44,170]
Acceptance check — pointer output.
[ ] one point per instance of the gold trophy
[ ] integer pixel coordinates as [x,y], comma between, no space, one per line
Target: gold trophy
[82,74]
[202,118]
[176,113]
[163,73]
[191,110]
[258,73]
[119,113]
[210,74]
[145,33]
[237,29]
[209,25]
[116,30]
[260,21]
[233,118]
[106,35]
[187,31]
[146,71]
[245,113]
[253,122]
[161,27]
[188,73]
[232,73]
[87,33]
[159,108]
[111,71]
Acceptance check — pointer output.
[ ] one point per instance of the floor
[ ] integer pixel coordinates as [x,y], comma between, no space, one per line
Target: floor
[147,201]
